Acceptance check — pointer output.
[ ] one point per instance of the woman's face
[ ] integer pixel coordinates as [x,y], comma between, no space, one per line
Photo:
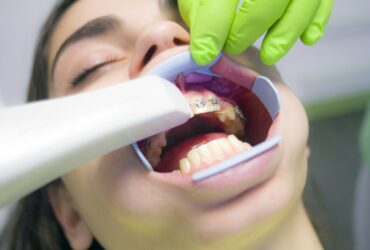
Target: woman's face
[113,197]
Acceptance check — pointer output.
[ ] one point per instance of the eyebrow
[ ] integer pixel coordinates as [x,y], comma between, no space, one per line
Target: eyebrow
[92,29]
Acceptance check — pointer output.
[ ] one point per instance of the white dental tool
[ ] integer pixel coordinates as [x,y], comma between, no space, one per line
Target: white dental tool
[41,141]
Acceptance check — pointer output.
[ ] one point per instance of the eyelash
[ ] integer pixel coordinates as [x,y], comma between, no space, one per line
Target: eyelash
[85,73]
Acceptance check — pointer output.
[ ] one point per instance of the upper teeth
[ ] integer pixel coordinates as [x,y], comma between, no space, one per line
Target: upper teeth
[203,105]
[232,120]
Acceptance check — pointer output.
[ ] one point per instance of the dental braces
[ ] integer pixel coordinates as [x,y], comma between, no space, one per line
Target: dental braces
[239,113]
[215,100]
[200,103]
[203,105]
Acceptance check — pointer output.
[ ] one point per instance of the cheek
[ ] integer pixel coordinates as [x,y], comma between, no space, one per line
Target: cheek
[113,192]
[294,123]
[295,140]
[134,205]
[293,170]
[286,187]
[81,186]
[294,173]
[122,184]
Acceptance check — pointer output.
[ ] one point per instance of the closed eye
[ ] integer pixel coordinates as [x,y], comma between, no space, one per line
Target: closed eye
[86,73]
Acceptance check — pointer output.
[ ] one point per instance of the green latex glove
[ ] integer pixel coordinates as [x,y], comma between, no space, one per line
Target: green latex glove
[365,137]
[216,25]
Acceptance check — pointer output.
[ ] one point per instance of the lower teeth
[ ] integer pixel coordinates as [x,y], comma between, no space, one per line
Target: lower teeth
[211,153]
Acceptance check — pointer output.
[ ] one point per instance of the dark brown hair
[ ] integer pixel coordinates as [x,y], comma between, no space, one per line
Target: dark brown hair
[33,224]
[38,87]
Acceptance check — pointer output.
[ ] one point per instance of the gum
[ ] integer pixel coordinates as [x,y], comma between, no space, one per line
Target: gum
[170,160]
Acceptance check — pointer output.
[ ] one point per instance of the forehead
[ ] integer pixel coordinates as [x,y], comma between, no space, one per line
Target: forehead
[134,14]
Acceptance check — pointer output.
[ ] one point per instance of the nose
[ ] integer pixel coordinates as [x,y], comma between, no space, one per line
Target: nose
[153,40]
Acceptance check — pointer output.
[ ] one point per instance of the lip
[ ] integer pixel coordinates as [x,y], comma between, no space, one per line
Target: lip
[228,184]
[234,181]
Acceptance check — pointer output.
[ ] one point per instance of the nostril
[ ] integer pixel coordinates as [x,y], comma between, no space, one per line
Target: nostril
[179,42]
[149,55]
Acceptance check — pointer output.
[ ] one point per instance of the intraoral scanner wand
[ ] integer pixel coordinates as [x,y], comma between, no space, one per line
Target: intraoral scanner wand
[41,141]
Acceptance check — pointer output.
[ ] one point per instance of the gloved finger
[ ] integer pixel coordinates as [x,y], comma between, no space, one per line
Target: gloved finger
[187,10]
[209,28]
[253,19]
[285,32]
[316,29]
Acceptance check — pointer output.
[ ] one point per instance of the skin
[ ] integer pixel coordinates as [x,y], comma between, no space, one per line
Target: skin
[115,200]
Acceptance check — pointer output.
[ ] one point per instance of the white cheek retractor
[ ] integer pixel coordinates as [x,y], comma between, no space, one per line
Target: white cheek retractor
[42,141]
[262,87]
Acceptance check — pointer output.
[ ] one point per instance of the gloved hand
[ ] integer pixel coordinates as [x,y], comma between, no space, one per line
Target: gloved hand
[216,25]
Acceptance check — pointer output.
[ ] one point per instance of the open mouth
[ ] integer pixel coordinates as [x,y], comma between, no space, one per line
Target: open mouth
[233,111]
